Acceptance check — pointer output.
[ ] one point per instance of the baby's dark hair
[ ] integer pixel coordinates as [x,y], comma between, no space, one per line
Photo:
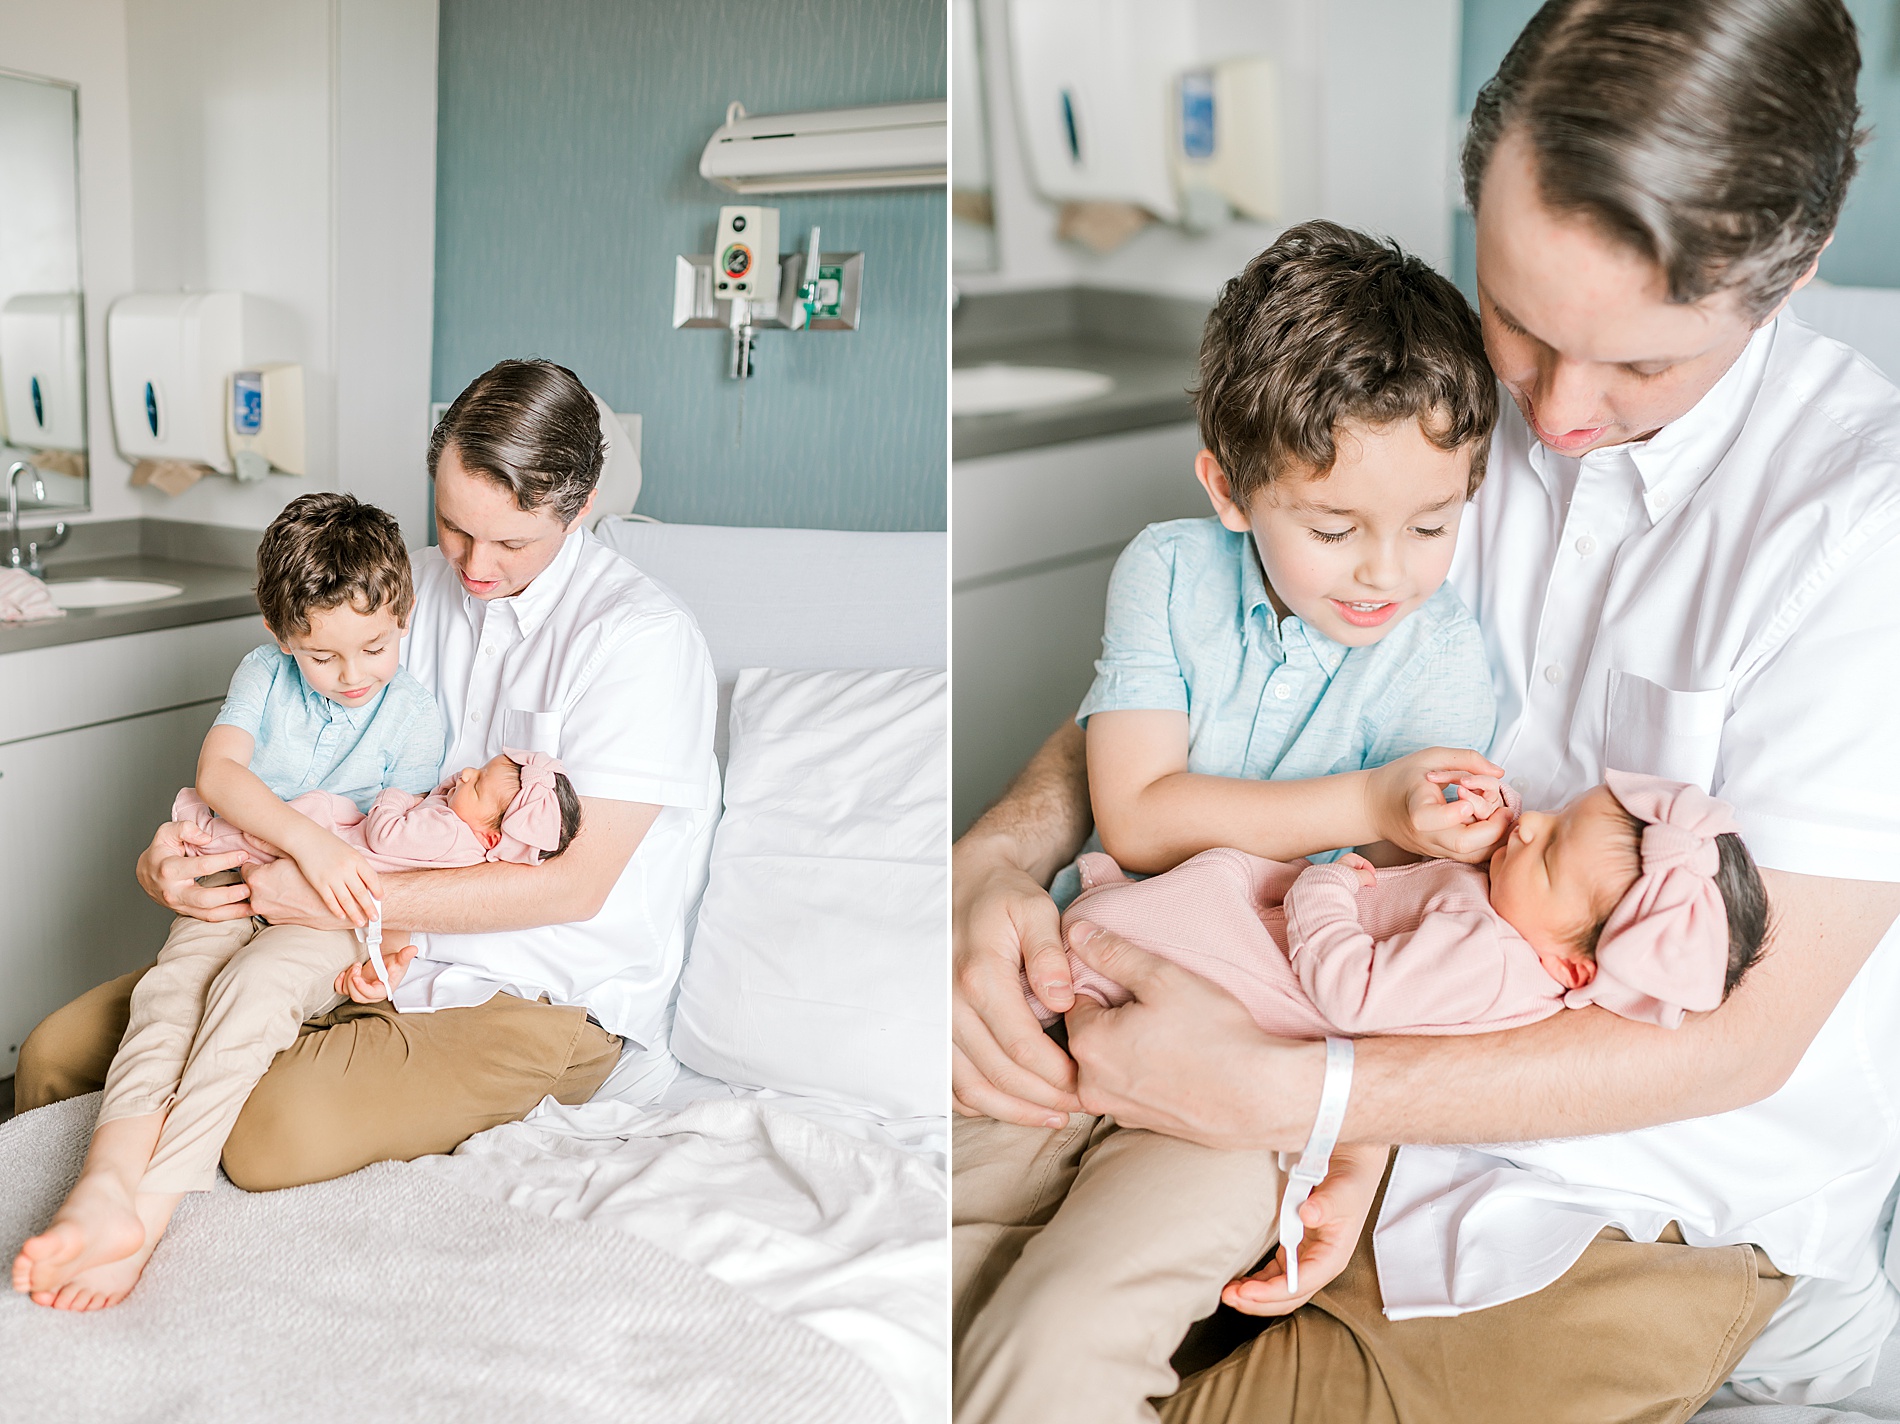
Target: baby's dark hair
[1743,895]
[1328,326]
[567,798]
[325,550]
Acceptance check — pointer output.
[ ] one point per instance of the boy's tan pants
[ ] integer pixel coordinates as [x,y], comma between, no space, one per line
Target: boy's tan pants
[223,1000]
[1072,1313]
[1633,1333]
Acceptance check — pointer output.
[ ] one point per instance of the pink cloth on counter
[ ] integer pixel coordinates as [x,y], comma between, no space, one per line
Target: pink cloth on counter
[24,599]
[1310,952]
[403,831]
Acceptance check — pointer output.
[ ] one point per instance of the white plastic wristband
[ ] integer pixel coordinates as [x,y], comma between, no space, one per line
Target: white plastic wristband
[1311,1169]
[372,940]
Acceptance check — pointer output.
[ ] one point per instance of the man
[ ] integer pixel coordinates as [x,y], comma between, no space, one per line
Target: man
[527,980]
[1684,561]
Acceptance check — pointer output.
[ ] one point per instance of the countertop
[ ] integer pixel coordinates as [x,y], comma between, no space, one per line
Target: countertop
[1147,344]
[210,566]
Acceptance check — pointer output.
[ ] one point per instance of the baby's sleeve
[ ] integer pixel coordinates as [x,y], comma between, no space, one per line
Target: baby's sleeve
[250,689]
[1139,669]
[1444,699]
[416,762]
[1448,970]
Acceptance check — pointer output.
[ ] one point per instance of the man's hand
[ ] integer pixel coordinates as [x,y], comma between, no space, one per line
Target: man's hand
[1002,1064]
[1333,1217]
[1184,1058]
[281,895]
[362,986]
[1406,802]
[170,876]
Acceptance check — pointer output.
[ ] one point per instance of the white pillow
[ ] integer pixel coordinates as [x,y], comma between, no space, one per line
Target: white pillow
[819,964]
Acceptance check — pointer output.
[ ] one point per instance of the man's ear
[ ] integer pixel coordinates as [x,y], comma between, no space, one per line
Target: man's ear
[1806,277]
[1214,480]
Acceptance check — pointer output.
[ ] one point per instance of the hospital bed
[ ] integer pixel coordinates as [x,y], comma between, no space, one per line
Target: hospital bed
[768,1238]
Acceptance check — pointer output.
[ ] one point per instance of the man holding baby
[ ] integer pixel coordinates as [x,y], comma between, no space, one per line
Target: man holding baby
[1685,561]
[518,979]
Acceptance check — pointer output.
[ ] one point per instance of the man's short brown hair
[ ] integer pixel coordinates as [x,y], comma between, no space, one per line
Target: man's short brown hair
[326,550]
[1329,326]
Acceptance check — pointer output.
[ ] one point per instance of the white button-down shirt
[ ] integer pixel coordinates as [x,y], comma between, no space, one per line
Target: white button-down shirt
[1719,604]
[595,664]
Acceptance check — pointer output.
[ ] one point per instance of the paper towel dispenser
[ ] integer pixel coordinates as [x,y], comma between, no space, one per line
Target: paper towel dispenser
[204,377]
[43,371]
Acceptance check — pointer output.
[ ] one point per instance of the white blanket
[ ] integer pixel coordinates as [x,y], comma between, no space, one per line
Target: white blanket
[389,1295]
[828,1223]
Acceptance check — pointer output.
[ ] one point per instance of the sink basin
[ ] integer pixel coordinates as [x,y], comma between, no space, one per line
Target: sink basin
[106,592]
[998,387]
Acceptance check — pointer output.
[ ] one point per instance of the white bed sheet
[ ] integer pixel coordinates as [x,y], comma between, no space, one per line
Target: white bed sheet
[821,1212]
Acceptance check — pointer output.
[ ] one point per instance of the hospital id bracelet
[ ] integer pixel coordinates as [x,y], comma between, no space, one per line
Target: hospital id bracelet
[1314,1161]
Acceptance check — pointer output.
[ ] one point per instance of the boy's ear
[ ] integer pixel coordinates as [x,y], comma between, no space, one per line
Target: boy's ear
[1214,480]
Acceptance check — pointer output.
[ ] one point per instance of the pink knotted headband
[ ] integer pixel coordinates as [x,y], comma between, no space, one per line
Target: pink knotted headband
[1664,949]
[531,826]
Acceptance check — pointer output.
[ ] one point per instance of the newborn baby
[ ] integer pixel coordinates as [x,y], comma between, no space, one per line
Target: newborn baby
[1638,896]
[493,812]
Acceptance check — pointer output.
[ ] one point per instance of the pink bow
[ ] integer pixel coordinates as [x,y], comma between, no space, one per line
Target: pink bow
[1664,949]
[531,826]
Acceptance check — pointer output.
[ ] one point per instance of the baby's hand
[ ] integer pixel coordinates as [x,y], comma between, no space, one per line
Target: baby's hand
[1368,873]
[1409,804]
[1333,1217]
[341,877]
[359,981]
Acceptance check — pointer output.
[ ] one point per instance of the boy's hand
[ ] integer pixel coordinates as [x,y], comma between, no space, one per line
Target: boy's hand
[1334,1216]
[341,877]
[360,983]
[1410,810]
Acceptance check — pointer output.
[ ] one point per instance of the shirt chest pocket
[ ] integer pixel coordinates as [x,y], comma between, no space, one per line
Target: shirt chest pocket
[1659,731]
[531,731]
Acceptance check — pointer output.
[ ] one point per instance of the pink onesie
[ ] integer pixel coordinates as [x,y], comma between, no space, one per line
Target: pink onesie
[403,831]
[1311,952]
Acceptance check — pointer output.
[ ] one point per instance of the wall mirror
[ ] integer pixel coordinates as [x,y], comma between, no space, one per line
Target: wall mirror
[42,318]
[972,214]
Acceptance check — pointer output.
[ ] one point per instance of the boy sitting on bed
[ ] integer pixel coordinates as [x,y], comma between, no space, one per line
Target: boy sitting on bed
[1265,675]
[326,709]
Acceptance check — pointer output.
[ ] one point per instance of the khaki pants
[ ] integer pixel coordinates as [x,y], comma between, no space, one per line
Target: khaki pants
[205,1021]
[1072,1313]
[1633,1333]
[360,1084]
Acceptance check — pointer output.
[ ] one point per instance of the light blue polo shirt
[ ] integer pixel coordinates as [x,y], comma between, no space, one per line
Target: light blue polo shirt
[305,742]
[1190,628]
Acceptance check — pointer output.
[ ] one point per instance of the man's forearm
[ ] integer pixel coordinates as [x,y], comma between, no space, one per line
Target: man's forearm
[1043,818]
[1584,1072]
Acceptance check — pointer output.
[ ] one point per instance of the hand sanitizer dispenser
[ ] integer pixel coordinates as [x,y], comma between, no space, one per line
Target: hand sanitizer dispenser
[191,379]
[43,371]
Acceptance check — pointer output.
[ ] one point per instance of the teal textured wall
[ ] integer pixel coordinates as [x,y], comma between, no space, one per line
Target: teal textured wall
[1866,250]
[567,180]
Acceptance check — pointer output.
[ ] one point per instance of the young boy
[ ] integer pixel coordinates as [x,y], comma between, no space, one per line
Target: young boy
[326,707]
[1272,679]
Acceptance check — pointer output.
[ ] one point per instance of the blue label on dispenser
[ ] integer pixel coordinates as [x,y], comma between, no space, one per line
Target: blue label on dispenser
[151,409]
[39,405]
[1197,114]
[247,402]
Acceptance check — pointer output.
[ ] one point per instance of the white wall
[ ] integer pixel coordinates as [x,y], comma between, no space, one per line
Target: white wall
[284,149]
[1369,91]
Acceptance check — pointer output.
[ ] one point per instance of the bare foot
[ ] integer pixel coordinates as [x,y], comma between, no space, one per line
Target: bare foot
[110,1282]
[98,1224]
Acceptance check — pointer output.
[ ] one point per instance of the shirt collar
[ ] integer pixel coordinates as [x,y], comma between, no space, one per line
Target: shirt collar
[330,709]
[1677,458]
[1283,635]
[531,607]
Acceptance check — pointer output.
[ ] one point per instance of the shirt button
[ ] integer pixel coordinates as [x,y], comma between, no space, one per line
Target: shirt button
[1520,785]
[1553,674]
[488,652]
[474,716]
[1660,499]
[1282,691]
[1587,545]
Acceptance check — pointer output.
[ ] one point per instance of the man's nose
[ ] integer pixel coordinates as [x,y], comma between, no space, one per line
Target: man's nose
[1567,396]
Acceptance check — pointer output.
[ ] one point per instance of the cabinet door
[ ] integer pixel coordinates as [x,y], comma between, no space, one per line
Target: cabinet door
[77,808]
[1025,651]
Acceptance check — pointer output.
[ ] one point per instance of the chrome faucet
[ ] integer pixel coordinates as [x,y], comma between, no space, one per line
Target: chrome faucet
[31,559]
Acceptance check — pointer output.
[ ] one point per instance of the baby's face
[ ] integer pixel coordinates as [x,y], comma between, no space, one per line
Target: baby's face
[481,795]
[347,655]
[1557,875]
[1353,552]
